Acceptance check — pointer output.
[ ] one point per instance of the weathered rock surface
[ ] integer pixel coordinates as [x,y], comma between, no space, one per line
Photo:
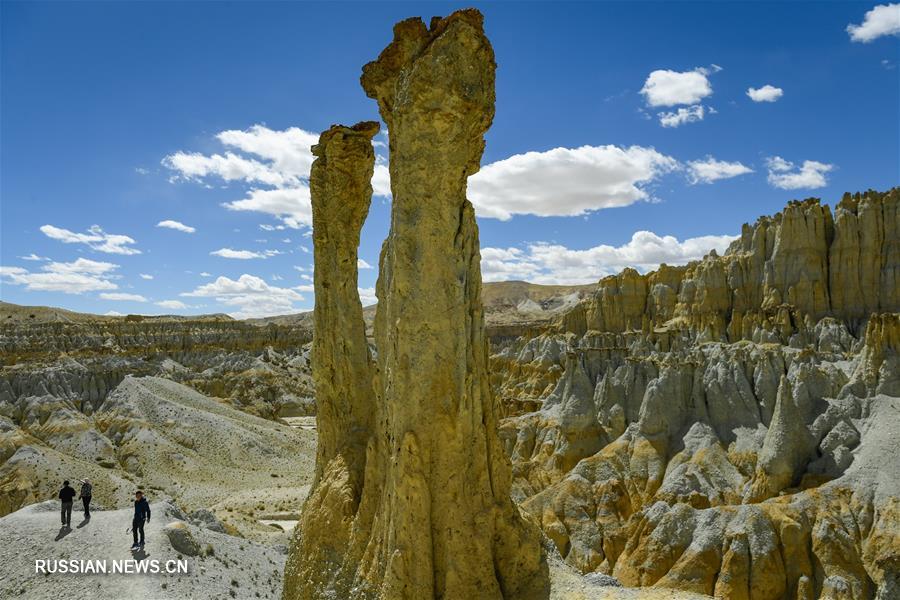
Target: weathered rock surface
[434,519]
[181,538]
[722,427]
[343,372]
[263,370]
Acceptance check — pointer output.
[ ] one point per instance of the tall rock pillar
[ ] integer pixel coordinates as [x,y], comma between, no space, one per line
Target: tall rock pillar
[340,186]
[445,526]
[411,496]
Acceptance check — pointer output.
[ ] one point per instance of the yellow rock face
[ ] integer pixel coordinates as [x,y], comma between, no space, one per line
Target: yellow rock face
[800,263]
[433,517]
[343,372]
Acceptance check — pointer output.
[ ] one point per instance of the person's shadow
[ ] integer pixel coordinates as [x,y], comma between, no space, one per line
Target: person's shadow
[86,520]
[139,554]
[63,532]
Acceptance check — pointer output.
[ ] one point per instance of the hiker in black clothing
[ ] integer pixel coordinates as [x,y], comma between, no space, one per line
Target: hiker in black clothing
[141,514]
[85,496]
[66,495]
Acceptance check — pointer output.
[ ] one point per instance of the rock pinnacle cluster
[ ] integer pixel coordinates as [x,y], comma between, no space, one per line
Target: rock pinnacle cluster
[412,491]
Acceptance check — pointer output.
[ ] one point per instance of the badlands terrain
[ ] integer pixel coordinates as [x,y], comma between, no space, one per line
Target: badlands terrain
[725,428]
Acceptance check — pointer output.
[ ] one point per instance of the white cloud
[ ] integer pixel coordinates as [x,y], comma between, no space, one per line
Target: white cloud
[172,304]
[381,181]
[34,257]
[230,167]
[113,313]
[882,20]
[671,88]
[146,276]
[251,296]
[566,181]
[122,297]
[767,93]
[290,204]
[244,254]
[548,263]
[710,169]
[205,274]
[690,114]
[361,264]
[367,296]
[95,239]
[277,166]
[76,277]
[169,224]
[785,175]
[289,151]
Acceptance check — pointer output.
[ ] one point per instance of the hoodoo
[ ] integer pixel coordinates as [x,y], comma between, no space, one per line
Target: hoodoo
[341,190]
[433,518]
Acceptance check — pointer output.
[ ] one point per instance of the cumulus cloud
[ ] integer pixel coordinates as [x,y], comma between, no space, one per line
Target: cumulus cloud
[34,257]
[361,264]
[122,297]
[786,175]
[367,296]
[290,204]
[381,181]
[664,87]
[882,20]
[690,114]
[172,304]
[244,254]
[566,181]
[767,93]
[710,169]
[275,163]
[95,238]
[75,277]
[146,276]
[547,263]
[170,224]
[249,296]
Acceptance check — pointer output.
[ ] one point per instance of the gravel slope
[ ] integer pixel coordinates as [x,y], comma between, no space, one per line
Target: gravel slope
[33,533]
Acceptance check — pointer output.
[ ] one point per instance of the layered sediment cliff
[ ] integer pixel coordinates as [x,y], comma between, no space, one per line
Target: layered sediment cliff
[263,370]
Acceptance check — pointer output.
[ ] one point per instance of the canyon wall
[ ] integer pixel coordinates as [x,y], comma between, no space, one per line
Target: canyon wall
[263,370]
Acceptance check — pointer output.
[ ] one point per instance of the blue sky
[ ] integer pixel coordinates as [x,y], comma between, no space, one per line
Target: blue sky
[624,135]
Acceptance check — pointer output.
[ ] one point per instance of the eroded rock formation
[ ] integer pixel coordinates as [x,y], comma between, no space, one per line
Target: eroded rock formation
[263,370]
[435,518]
[340,185]
[723,427]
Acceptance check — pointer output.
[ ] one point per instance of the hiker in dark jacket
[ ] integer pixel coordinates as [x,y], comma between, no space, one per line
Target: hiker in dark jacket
[141,515]
[85,495]
[66,495]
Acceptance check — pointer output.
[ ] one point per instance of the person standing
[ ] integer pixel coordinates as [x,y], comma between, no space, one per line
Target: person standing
[85,496]
[141,516]
[66,496]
